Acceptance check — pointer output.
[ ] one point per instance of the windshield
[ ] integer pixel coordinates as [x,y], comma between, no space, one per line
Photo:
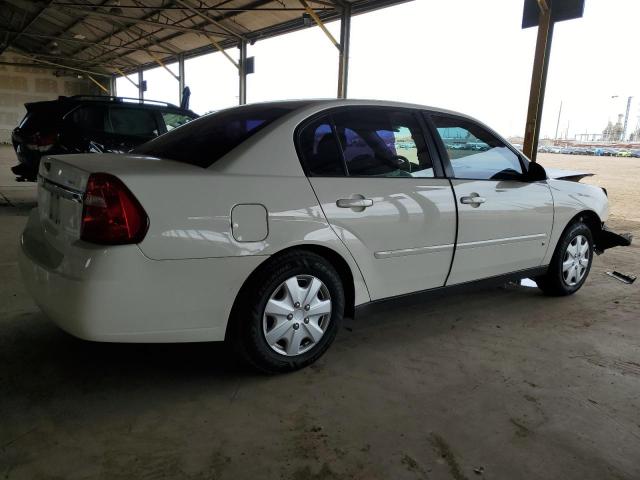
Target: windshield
[205,140]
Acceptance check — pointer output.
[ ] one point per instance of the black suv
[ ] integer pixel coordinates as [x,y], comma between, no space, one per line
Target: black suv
[83,124]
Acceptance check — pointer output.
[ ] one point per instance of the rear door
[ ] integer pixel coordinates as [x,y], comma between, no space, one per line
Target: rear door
[504,220]
[85,129]
[375,175]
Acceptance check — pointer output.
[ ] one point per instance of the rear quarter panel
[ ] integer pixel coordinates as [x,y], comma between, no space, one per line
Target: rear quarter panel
[190,211]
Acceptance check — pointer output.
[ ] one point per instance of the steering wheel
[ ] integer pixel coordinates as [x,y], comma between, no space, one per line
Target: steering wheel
[400,162]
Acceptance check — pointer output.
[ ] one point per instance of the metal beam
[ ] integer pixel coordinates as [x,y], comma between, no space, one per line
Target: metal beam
[345,41]
[128,78]
[538,81]
[162,64]
[223,51]
[124,29]
[210,20]
[206,8]
[59,65]
[136,21]
[90,43]
[102,87]
[319,22]
[242,72]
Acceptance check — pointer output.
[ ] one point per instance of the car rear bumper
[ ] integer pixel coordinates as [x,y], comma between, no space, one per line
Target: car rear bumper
[116,294]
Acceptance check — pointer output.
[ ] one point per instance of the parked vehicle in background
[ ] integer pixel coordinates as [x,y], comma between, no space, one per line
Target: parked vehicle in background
[623,153]
[265,224]
[609,152]
[89,124]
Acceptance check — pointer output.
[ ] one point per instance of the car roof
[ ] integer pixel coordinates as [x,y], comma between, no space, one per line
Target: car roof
[107,100]
[320,104]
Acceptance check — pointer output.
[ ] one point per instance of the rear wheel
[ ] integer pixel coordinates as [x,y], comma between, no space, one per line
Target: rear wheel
[571,262]
[289,314]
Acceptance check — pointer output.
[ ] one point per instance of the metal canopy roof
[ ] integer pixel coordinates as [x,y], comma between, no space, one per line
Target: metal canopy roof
[114,36]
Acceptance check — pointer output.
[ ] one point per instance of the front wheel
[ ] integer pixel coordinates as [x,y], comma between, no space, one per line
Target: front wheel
[571,262]
[290,313]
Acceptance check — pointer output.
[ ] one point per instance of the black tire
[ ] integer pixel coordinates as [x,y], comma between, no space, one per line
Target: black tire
[554,282]
[248,336]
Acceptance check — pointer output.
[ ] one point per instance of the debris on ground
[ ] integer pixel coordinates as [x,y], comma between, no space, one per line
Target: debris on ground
[628,279]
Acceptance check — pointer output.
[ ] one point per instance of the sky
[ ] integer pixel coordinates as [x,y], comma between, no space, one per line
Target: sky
[471,56]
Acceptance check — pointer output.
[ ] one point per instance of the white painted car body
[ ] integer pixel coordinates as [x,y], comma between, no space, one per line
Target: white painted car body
[209,229]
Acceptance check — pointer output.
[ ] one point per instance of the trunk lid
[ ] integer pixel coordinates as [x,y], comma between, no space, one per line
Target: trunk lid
[60,190]
[62,182]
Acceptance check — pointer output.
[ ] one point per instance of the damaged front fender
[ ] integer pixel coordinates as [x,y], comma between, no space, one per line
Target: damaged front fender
[607,238]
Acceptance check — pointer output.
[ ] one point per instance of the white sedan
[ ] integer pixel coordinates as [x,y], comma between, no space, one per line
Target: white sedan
[266,224]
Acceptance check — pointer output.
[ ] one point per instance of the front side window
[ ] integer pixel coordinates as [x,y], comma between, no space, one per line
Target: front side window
[132,121]
[173,120]
[207,139]
[475,153]
[381,142]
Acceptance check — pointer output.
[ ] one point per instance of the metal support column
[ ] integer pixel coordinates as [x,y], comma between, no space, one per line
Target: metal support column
[538,82]
[113,90]
[140,85]
[345,40]
[180,77]
[242,73]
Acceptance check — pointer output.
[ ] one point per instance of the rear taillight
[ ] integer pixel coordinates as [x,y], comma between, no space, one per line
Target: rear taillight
[42,142]
[111,215]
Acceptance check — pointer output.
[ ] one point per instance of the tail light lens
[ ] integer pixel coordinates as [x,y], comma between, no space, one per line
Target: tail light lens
[42,142]
[111,215]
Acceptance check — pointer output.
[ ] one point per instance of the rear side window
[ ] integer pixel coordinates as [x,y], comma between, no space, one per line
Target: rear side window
[205,140]
[131,121]
[89,118]
[40,117]
[382,142]
[320,150]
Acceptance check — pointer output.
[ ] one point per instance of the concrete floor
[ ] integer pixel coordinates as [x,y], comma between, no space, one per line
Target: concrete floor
[497,384]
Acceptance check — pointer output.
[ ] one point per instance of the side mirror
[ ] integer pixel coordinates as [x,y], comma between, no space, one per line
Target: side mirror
[536,172]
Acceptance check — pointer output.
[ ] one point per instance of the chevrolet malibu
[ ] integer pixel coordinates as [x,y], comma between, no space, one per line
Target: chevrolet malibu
[264,225]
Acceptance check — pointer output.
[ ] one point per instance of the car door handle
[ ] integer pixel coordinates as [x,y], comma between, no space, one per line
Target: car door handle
[473,199]
[354,202]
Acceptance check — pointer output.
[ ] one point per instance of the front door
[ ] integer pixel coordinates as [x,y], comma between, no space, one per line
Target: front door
[372,171]
[504,220]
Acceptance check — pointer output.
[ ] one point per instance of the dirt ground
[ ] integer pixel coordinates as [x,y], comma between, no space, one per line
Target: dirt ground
[501,383]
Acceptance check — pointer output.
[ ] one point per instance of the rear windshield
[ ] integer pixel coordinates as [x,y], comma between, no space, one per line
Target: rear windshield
[41,116]
[207,139]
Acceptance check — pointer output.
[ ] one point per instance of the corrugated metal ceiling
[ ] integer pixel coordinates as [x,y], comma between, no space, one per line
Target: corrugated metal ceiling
[110,35]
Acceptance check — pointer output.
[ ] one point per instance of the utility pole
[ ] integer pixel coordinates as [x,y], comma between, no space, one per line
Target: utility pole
[558,123]
[626,119]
